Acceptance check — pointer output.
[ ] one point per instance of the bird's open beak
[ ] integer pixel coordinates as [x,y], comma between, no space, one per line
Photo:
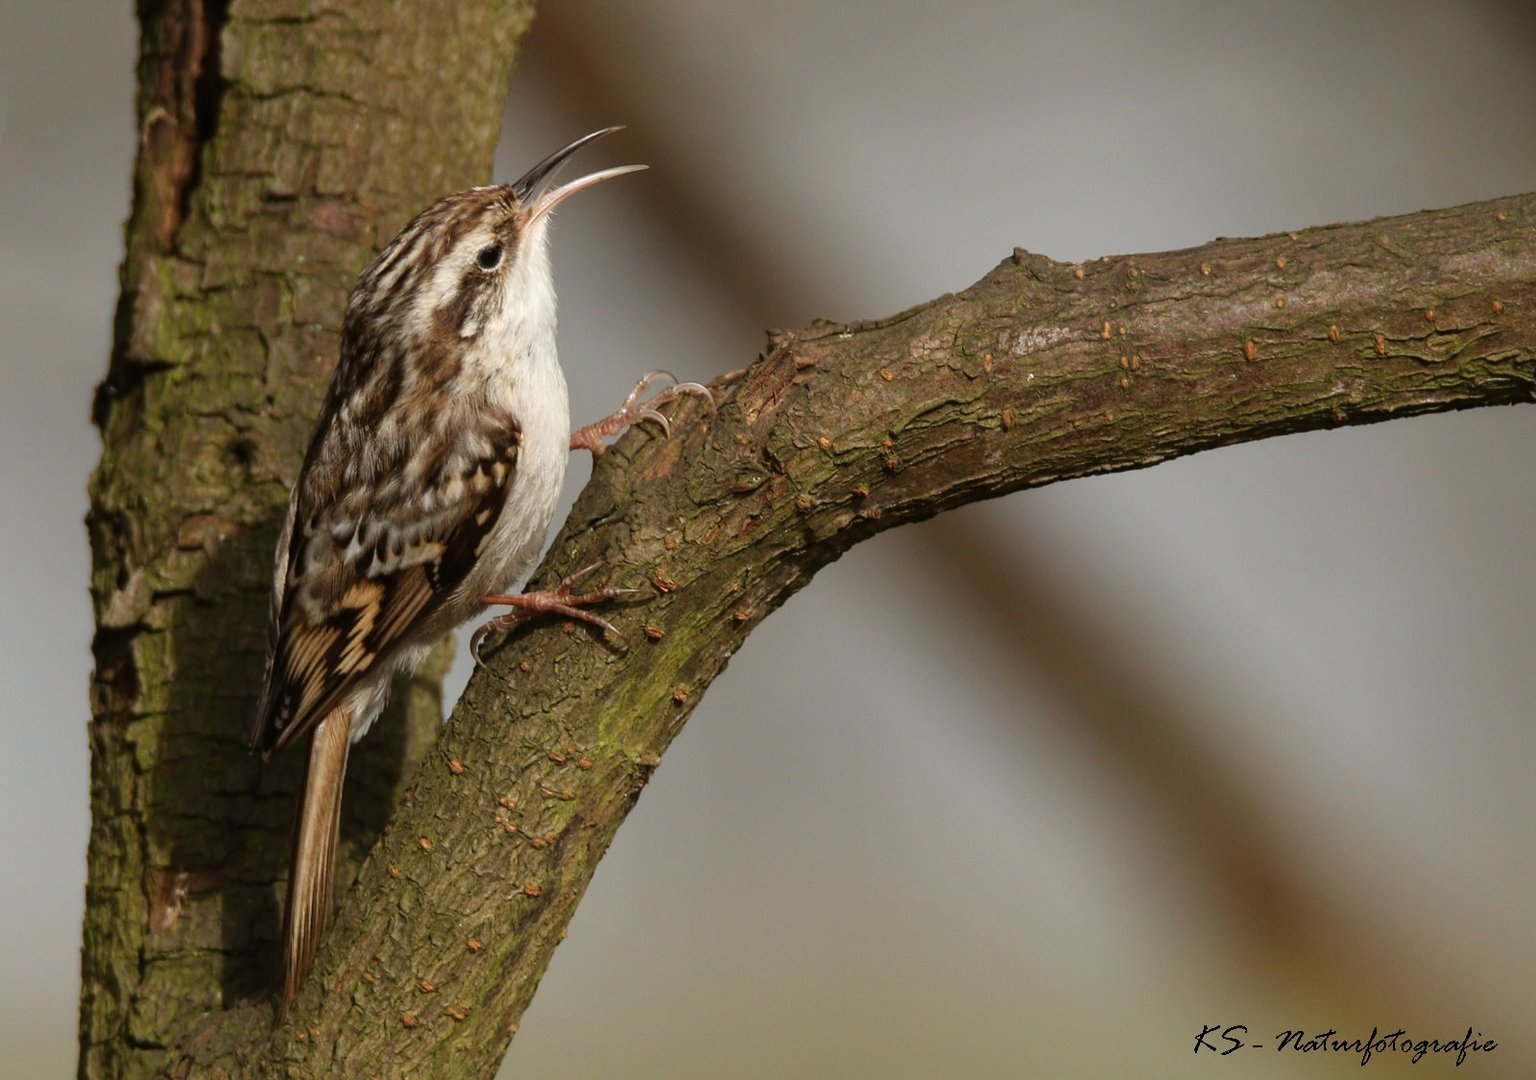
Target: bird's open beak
[533,189]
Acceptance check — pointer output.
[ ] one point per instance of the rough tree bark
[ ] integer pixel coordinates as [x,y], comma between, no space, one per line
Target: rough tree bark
[233,285]
[280,143]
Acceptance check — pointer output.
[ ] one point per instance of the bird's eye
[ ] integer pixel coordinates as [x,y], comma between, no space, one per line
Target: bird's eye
[489,257]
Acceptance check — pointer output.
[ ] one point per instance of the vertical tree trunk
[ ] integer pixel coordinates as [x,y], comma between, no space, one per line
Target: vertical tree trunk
[280,144]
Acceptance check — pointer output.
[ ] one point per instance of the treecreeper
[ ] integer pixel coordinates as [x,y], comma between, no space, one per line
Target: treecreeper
[426,491]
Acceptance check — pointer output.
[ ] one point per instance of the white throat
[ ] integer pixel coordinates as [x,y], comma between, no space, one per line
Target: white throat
[520,369]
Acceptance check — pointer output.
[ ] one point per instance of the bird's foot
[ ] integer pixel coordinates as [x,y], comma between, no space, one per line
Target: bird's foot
[561,600]
[636,411]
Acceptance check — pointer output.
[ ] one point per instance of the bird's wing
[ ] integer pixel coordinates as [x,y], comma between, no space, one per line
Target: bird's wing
[373,549]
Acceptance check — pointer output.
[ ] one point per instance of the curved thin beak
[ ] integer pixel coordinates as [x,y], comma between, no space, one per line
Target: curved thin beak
[533,188]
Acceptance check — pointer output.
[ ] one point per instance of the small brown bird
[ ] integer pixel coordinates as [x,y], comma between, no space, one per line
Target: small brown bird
[426,491]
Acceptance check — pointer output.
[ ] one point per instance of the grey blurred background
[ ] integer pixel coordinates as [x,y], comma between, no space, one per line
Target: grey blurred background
[1037,788]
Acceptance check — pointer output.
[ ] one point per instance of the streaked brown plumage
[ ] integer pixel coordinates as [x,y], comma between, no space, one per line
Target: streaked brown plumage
[428,485]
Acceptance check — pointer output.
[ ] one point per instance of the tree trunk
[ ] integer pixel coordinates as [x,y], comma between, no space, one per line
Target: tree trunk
[1041,371]
[280,143]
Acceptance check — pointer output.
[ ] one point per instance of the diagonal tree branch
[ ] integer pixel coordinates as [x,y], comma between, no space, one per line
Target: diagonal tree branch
[1041,371]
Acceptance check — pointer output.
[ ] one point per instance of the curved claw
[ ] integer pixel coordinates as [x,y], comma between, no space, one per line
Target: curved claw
[625,594]
[474,642]
[656,417]
[598,620]
[643,384]
[576,575]
[659,373]
[697,389]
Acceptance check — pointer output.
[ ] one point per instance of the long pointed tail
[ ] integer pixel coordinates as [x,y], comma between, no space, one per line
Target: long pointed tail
[312,873]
